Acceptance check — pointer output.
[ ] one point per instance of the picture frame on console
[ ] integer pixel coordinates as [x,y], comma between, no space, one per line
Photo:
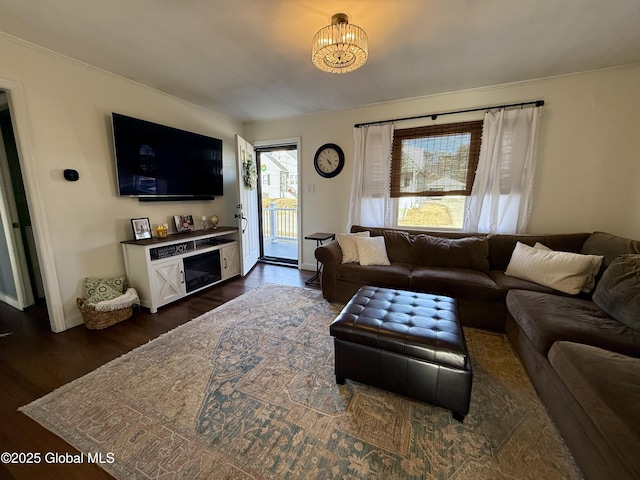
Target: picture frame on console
[141,228]
[183,223]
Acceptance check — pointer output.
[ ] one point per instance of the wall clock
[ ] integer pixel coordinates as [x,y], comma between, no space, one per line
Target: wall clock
[329,160]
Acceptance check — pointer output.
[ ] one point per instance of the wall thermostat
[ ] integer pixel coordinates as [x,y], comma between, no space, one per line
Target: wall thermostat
[71,175]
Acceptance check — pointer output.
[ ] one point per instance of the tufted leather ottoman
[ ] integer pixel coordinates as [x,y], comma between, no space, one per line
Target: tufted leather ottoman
[405,342]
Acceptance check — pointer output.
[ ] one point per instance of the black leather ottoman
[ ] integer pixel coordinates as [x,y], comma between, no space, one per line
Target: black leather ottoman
[405,342]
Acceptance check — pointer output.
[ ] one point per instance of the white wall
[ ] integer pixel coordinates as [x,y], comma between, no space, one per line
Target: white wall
[587,177]
[68,107]
[588,169]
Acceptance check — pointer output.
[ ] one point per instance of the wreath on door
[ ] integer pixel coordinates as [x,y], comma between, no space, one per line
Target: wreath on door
[249,173]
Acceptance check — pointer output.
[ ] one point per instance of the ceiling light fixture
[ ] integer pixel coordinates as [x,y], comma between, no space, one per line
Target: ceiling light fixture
[340,47]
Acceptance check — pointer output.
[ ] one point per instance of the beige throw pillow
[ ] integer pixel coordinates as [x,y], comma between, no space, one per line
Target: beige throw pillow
[563,271]
[592,280]
[348,246]
[372,251]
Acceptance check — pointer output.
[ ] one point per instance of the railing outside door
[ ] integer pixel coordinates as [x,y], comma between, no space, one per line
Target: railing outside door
[279,223]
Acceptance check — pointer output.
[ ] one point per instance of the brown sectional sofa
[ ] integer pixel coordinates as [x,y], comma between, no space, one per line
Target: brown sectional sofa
[470,268]
[583,362]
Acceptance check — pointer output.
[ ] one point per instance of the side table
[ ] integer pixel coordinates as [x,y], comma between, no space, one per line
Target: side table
[319,237]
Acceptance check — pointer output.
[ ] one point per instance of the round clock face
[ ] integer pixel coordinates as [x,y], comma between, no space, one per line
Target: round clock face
[329,160]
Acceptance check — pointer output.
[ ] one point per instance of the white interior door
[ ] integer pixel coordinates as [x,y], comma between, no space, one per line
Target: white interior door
[247,207]
[15,287]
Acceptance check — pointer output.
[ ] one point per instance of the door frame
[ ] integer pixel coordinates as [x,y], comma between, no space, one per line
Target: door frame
[298,143]
[12,232]
[41,232]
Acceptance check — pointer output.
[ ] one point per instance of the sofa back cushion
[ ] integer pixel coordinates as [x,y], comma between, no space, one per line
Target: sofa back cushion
[611,246]
[399,246]
[618,291]
[470,252]
[400,242]
[501,246]
[379,231]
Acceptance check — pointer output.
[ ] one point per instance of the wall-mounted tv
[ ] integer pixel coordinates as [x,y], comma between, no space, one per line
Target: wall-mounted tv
[156,162]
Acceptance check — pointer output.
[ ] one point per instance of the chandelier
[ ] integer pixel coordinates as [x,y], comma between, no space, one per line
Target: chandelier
[340,47]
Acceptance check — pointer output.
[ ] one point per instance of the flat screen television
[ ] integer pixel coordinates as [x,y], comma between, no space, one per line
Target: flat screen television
[156,162]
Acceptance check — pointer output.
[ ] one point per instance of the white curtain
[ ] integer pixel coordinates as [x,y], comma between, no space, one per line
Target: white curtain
[500,200]
[370,204]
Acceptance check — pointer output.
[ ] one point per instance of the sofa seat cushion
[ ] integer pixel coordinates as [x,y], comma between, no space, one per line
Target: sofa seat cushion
[455,282]
[546,318]
[607,387]
[506,282]
[395,275]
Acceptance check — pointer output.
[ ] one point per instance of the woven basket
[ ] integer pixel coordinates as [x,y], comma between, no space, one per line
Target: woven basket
[96,320]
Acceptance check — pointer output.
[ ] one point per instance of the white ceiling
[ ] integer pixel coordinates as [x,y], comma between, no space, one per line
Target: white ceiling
[251,59]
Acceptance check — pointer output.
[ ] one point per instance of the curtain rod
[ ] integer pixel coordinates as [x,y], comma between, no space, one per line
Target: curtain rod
[537,103]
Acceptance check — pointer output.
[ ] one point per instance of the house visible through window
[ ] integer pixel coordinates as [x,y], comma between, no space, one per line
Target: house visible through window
[432,173]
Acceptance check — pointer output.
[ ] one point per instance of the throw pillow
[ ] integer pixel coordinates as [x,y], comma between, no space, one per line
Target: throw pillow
[542,247]
[618,291]
[469,252]
[100,289]
[348,245]
[372,251]
[592,280]
[563,271]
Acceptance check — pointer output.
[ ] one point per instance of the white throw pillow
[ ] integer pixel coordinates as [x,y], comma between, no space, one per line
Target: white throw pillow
[563,271]
[372,251]
[592,280]
[348,245]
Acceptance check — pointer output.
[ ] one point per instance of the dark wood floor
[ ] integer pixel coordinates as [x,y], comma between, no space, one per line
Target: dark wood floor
[34,361]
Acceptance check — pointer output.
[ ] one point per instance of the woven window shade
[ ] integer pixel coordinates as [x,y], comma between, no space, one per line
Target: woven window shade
[435,160]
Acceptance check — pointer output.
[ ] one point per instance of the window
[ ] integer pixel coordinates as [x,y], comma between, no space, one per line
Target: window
[432,173]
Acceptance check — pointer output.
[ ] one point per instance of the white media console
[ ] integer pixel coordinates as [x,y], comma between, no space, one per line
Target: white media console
[163,270]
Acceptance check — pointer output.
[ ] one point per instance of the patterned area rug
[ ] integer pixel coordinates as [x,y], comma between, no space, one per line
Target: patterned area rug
[247,391]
